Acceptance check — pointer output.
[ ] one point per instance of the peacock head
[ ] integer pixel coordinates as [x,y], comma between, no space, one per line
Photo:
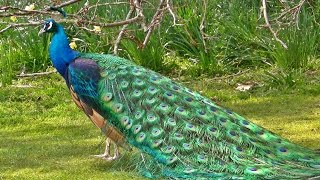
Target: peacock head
[49,26]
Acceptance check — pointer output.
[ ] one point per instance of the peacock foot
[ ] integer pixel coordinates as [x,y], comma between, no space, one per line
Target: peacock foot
[106,155]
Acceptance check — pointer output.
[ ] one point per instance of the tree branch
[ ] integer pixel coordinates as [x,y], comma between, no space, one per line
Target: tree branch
[113,24]
[23,12]
[156,19]
[79,18]
[172,13]
[116,44]
[137,4]
[75,21]
[202,25]
[265,15]
[64,4]
[13,25]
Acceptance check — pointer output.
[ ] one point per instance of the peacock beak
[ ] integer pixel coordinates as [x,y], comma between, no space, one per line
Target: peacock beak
[41,31]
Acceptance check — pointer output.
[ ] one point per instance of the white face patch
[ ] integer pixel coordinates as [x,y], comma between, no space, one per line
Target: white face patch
[50,25]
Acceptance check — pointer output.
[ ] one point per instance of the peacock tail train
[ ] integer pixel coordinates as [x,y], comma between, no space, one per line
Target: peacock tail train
[186,135]
[179,133]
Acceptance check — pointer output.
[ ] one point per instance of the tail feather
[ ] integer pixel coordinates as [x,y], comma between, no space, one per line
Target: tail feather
[182,134]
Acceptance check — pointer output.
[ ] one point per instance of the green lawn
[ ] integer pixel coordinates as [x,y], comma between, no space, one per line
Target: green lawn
[44,136]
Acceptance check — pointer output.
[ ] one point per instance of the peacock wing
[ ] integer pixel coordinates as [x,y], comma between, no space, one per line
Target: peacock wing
[83,80]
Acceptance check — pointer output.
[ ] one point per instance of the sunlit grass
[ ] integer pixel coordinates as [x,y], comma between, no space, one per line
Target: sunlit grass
[44,136]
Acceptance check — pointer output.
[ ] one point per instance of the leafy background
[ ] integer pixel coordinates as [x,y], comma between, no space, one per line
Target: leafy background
[235,39]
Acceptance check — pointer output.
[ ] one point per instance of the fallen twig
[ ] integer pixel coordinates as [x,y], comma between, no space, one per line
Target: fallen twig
[36,74]
[231,75]
[22,86]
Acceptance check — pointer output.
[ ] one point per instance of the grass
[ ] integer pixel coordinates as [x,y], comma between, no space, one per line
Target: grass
[44,135]
[30,53]
[302,45]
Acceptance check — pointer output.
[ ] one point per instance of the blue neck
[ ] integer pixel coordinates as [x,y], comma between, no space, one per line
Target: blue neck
[60,52]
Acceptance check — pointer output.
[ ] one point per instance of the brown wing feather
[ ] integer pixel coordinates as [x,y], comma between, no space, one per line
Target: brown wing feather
[98,120]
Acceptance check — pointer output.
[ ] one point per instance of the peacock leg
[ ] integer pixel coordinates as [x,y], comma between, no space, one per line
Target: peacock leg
[115,151]
[106,155]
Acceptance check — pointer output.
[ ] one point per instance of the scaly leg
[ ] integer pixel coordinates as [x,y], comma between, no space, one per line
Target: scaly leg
[106,155]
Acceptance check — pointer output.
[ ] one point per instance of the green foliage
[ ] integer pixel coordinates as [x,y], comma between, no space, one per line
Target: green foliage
[152,56]
[282,79]
[191,41]
[241,42]
[29,53]
[302,45]
[190,44]
[211,38]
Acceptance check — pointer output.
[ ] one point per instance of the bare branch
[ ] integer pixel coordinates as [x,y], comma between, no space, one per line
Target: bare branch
[107,4]
[137,4]
[13,25]
[156,19]
[115,49]
[172,13]
[265,15]
[64,4]
[95,11]
[22,12]
[77,22]
[113,24]
[296,14]
[294,11]
[202,25]
[84,23]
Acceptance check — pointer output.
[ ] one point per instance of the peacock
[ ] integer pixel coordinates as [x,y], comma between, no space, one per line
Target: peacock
[179,133]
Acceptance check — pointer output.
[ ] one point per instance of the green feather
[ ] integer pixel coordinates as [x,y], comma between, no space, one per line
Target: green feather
[189,136]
